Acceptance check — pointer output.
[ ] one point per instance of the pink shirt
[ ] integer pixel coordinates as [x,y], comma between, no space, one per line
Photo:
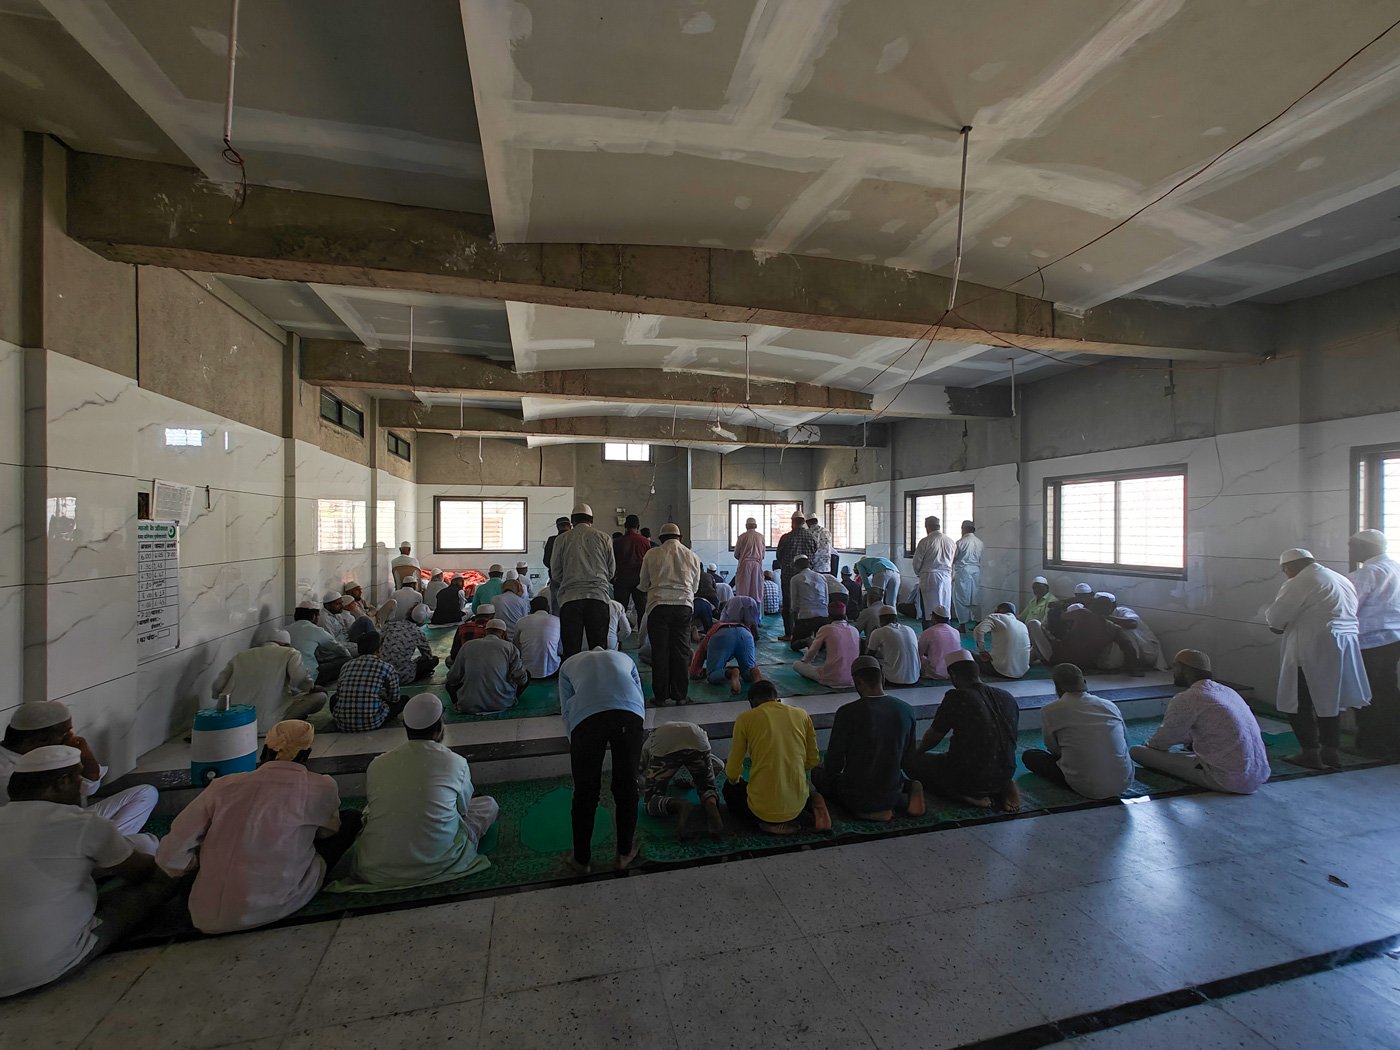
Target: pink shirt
[841,643]
[935,646]
[251,836]
[1214,721]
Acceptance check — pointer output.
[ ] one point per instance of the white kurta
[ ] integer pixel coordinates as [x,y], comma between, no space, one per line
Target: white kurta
[967,577]
[933,564]
[1316,610]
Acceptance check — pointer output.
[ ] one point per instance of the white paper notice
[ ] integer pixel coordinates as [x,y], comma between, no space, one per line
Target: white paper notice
[172,502]
[157,588]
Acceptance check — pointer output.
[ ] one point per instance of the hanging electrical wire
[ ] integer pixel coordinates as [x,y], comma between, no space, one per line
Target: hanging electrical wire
[230,154]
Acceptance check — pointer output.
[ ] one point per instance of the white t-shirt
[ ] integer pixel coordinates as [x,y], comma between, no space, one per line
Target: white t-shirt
[47,896]
[897,648]
[1086,734]
[8,760]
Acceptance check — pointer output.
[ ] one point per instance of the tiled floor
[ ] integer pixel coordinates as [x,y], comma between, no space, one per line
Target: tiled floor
[932,940]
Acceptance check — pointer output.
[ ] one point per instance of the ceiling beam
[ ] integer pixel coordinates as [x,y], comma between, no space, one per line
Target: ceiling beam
[327,362]
[490,422]
[165,215]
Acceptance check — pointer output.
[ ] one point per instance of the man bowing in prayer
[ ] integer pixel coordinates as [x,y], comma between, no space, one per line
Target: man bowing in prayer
[749,551]
[1321,674]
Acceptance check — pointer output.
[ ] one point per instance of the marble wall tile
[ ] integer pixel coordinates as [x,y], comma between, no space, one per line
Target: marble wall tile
[877,514]
[91,414]
[11,649]
[172,687]
[216,600]
[237,526]
[229,455]
[91,525]
[11,403]
[11,525]
[91,634]
[105,714]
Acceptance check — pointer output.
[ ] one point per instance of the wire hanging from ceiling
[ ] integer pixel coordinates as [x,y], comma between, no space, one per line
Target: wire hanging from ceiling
[230,154]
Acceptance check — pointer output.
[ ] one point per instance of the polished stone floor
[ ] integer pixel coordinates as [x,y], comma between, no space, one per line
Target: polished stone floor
[932,940]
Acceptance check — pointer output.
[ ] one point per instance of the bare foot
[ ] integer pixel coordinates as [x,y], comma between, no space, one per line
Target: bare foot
[1011,798]
[685,809]
[821,816]
[917,806]
[625,860]
[714,821]
[789,828]
[575,866]
[979,801]
[1331,757]
[884,816]
[784,637]
[733,674]
[1309,758]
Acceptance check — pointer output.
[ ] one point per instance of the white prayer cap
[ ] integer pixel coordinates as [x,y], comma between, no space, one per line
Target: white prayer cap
[280,637]
[957,657]
[1083,588]
[1193,658]
[405,543]
[348,586]
[420,613]
[331,596]
[670,529]
[1295,554]
[422,712]
[497,625]
[495,567]
[887,610]
[436,573]
[510,574]
[583,509]
[712,567]
[1374,537]
[40,714]
[522,564]
[42,759]
[1041,579]
[938,610]
[485,610]
[1107,595]
[308,603]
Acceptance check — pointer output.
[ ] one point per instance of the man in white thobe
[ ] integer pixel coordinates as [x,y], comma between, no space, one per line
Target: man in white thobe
[405,566]
[749,551]
[271,678]
[933,565]
[1321,674]
[967,576]
[1377,583]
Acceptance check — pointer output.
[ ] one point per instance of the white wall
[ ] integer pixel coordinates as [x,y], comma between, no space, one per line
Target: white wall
[878,541]
[543,505]
[709,521]
[11,527]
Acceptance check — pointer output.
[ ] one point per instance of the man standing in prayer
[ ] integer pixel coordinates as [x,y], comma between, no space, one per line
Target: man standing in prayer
[872,739]
[262,842]
[823,560]
[937,643]
[933,565]
[979,766]
[670,748]
[1321,674]
[537,638]
[967,577]
[584,566]
[423,820]
[1038,608]
[321,655]
[749,551]
[1009,655]
[882,575]
[405,648]
[367,694]
[809,603]
[670,574]
[1222,747]
[561,526]
[628,551]
[1377,584]
[797,543]
[53,918]
[271,678]
[896,647]
[405,566]
[1086,744]
[522,573]
[781,745]
[48,723]
[834,649]
[600,698]
[487,674]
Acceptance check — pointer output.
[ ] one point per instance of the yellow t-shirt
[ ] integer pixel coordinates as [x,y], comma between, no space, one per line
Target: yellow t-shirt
[782,744]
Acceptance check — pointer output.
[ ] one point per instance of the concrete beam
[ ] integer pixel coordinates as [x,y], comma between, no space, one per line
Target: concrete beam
[329,362]
[164,215]
[490,422]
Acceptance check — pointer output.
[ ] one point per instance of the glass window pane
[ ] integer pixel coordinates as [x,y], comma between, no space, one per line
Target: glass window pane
[459,524]
[1151,522]
[1390,495]
[1086,521]
[340,524]
[330,408]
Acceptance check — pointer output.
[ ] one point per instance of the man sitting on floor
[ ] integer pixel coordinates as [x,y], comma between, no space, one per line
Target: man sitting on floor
[781,745]
[510,605]
[367,694]
[409,604]
[1038,607]
[1009,655]
[980,763]
[537,638]
[321,655]
[356,604]
[262,842]
[473,628]
[872,739]
[896,646]
[451,604]
[772,594]
[619,626]
[600,698]
[271,678]
[670,748]
[1222,747]
[938,641]
[50,848]
[724,642]
[829,658]
[855,595]
[868,622]
[423,820]
[487,590]
[45,723]
[487,674]
[809,603]
[435,586]
[1086,746]
[1086,632]
[405,648]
